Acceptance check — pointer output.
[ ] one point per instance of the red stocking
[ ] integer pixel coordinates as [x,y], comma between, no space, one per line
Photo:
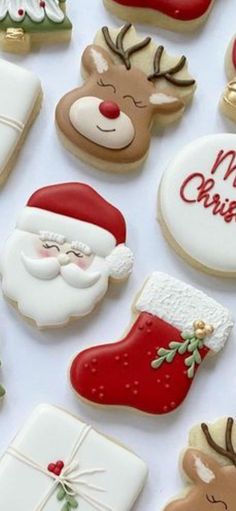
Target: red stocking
[153,367]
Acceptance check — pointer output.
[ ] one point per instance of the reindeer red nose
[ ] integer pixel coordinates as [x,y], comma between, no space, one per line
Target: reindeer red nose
[109,109]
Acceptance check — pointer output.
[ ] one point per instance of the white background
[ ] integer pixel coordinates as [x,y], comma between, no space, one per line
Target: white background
[36,363]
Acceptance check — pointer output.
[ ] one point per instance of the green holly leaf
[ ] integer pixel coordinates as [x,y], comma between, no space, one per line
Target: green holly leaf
[186,335]
[72,502]
[61,493]
[66,507]
[170,357]
[191,370]
[157,363]
[193,345]
[174,344]
[183,348]
[162,352]
[2,391]
[189,360]
[197,357]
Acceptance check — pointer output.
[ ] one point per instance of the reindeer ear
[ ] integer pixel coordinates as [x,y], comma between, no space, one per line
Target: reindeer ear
[165,103]
[200,467]
[96,59]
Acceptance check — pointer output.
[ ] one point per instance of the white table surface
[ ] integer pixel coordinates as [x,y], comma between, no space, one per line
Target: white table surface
[36,363]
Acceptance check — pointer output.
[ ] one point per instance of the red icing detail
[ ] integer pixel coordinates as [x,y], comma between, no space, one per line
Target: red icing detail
[81,202]
[109,109]
[204,187]
[234,54]
[56,468]
[21,12]
[137,384]
[42,4]
[185,10]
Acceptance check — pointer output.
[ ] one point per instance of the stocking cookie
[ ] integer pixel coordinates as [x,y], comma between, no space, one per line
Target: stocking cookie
[178,15]
[25,23]
[59,463]
[20,103]
[228,99]
[174,328]
[197,207]
[130,83]
[209,465]
[67,243]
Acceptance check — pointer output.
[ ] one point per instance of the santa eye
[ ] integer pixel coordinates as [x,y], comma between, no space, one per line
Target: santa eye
[46,245]
[102,84]
[77,254]
[137,103]
[213,500]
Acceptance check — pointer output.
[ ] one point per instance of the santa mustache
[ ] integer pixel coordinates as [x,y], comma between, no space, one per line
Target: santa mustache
[50,267]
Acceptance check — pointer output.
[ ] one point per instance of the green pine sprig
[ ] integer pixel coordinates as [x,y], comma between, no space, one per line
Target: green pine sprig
[70,501]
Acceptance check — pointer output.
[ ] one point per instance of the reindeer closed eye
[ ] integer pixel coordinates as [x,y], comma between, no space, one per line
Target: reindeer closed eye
[213,500]
[108,120]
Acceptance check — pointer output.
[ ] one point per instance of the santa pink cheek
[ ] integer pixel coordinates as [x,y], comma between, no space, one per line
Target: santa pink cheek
[83,263]
[43,252]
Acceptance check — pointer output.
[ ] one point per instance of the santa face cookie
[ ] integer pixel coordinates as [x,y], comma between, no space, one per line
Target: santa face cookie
[59,463]
[209,465]
[68,241]
[178,15]
[152,368]
[228,99]
[20,102]
[24,23]
[130,83]
[197,206]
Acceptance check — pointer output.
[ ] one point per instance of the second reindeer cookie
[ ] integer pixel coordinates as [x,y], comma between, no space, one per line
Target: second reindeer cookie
[174,328]
[67,244]
[129,83]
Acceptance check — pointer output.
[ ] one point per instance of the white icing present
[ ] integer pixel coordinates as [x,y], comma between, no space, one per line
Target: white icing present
[19,90]
[101,474]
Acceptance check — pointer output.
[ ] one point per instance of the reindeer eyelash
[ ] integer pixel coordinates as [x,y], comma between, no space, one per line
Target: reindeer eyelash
[138,104]
[77,254]
[46,245]
[212,500]
[102,84]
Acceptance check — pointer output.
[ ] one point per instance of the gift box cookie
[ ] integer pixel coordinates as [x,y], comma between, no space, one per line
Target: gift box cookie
[20,103]
[59,463]
[31,22]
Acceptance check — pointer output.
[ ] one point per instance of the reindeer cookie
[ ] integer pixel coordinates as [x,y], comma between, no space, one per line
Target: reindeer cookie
[228,99]
[130,83]
[178,15]
[209,464]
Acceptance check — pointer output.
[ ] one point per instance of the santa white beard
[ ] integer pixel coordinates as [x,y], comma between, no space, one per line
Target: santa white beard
[49,302]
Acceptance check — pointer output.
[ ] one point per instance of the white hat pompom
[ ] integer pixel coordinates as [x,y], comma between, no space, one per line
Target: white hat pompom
[120,262]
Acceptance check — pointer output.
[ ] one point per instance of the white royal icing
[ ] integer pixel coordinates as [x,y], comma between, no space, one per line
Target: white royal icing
[203,472]
[206,237]
[120,262]
[17,9]
[104,475]
[181,304]
[87,119]
[19,90]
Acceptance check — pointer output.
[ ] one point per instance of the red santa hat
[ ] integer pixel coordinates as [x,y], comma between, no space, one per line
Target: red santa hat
[75,212]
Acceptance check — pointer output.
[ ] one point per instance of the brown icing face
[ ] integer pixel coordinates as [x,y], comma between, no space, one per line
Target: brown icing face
[212,485]
[110,117]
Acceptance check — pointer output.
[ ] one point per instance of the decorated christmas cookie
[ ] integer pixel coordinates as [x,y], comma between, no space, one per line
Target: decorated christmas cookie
[180,15]
[59,463]
[130,83]
[31,22]
[228,99]
[209,465]
[67,243]
[152,368]
[197,206]
[20,102]
[2,389]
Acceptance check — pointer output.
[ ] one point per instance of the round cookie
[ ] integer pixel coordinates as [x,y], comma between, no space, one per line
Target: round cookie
[197,204]
[177,15]
[228,98]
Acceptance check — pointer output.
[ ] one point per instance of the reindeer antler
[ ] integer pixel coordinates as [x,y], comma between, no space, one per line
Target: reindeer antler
[168,73]
[118,46]
[229,451]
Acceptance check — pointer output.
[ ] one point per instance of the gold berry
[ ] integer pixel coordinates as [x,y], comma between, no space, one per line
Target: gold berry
[200,333]
[209,329]
[199,324]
